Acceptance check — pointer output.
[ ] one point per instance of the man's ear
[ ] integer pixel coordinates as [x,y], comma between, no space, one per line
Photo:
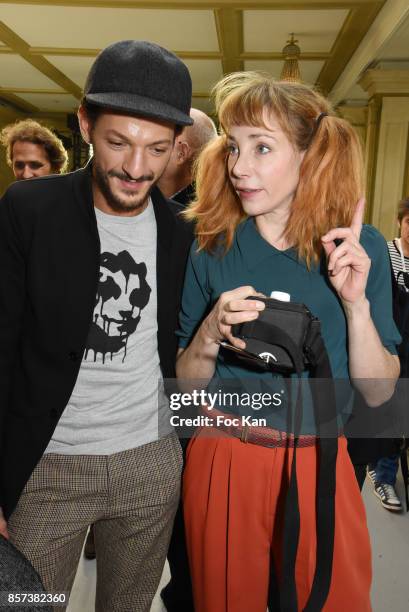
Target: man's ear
[85,124]
[183,152]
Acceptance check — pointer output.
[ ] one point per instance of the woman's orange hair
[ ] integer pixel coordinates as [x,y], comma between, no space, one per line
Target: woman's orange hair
[330,174]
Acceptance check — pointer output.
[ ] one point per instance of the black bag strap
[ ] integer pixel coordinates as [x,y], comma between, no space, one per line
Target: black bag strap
[324,404]
[285,599]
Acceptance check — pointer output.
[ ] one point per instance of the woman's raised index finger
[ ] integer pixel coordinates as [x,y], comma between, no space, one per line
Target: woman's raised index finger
[358,218]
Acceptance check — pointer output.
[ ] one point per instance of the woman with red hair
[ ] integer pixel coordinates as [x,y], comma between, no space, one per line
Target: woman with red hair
[276,211]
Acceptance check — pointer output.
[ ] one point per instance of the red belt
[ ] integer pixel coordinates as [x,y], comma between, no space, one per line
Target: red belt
[262,436]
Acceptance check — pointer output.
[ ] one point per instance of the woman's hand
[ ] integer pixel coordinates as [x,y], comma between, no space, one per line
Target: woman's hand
[348,263]
[198,360]
[231,308]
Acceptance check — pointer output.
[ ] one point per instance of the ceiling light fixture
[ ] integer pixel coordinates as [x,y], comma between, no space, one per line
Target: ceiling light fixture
[291,53]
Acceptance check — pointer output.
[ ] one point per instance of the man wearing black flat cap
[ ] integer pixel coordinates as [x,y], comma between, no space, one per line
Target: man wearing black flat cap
[92,270]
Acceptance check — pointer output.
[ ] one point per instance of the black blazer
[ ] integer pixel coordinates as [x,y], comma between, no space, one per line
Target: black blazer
[49,258]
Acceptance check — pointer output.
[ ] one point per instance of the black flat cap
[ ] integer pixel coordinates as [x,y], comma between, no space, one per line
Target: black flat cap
[141,78]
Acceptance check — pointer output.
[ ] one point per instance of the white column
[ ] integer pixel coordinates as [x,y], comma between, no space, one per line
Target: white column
[387,145]
[391,164]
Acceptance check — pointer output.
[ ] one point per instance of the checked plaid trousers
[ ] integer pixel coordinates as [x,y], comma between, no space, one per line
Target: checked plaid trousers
[131,497]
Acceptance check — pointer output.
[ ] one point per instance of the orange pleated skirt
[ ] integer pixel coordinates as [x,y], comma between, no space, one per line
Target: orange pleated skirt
[234,495]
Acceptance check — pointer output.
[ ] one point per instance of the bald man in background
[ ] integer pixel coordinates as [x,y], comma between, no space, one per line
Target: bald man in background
[176,181]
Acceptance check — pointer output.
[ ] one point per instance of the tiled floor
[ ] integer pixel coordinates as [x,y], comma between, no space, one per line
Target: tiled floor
[390,548]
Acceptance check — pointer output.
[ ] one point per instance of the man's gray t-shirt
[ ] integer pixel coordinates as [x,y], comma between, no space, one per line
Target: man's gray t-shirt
[115,404]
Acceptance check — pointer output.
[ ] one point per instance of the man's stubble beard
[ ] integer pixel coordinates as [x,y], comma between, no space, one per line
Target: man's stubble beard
[115,203]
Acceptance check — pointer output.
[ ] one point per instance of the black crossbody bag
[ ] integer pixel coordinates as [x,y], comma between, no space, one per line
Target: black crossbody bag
[286,338]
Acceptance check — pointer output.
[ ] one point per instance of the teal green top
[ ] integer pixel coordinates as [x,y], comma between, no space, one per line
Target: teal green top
[253,261]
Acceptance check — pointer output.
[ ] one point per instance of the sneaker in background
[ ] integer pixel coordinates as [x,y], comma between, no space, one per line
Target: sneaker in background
[388,497]
[372,476]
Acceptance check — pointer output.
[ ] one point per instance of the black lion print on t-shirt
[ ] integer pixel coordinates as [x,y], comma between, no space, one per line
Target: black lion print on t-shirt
[117,313]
